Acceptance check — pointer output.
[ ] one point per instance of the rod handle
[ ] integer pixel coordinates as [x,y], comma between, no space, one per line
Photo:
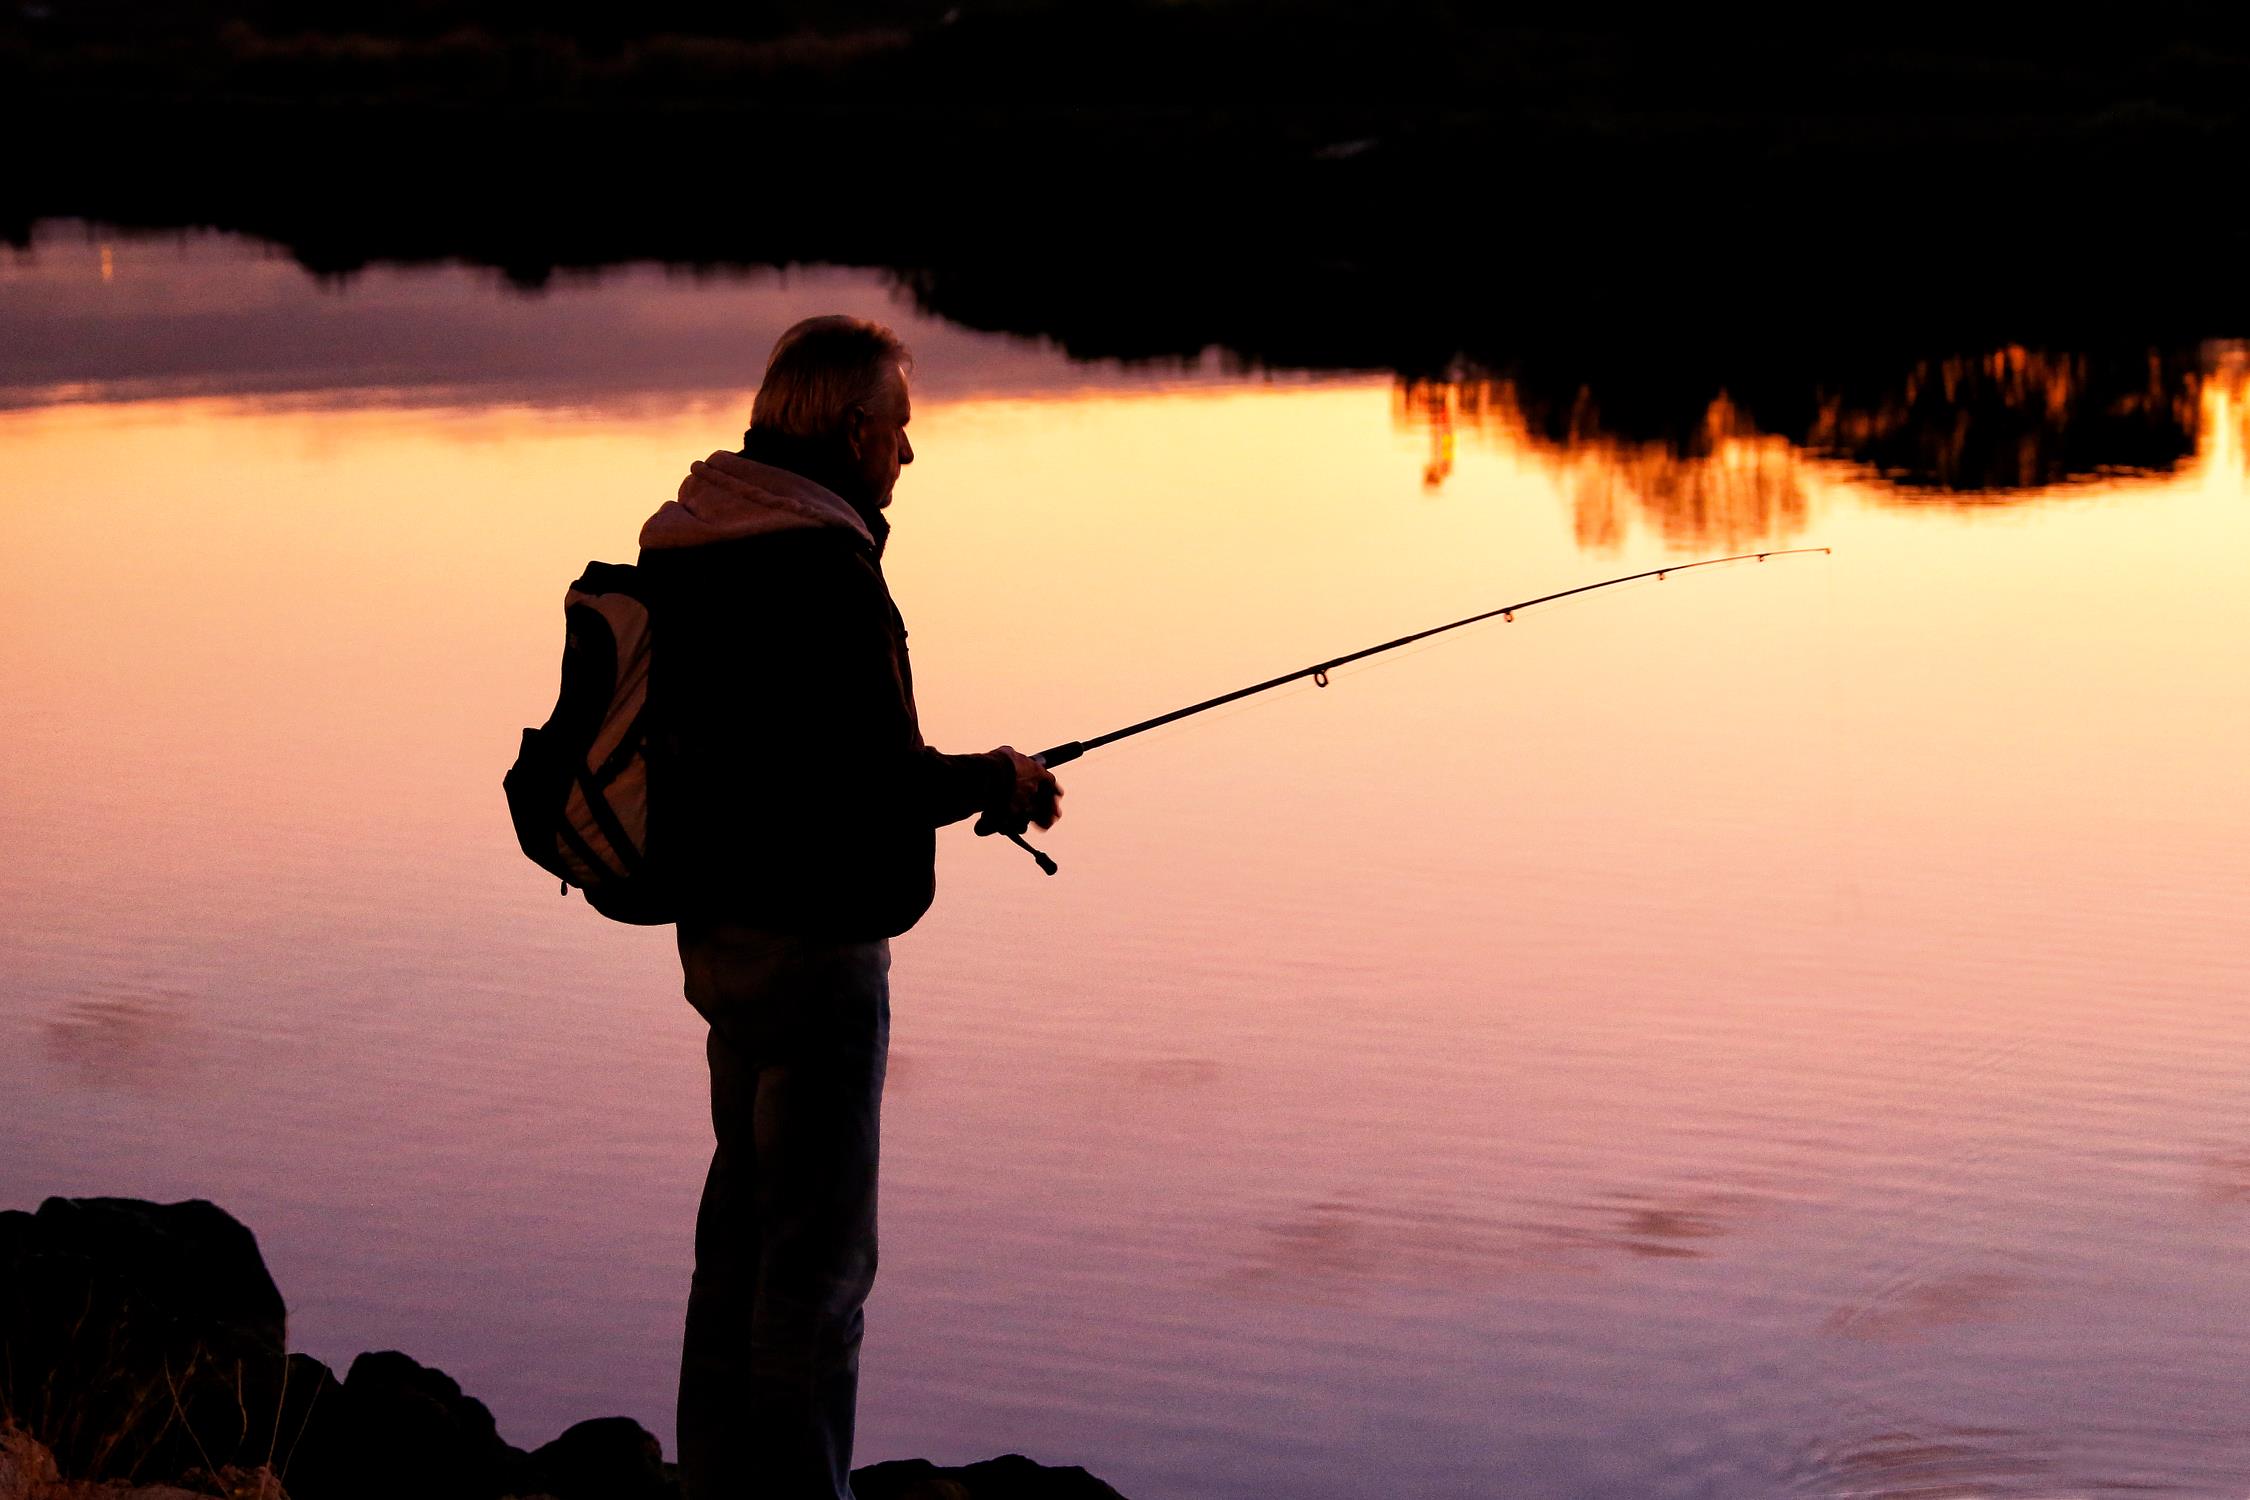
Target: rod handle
[986,828]
[1045,862]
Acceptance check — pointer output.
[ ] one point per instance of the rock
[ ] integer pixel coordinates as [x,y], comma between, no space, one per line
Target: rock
[1009,1477]
[313,1438]
[608,1458]
[907,1479]
[407,1429]
[192,1263]
[16,1229]
[138,1339]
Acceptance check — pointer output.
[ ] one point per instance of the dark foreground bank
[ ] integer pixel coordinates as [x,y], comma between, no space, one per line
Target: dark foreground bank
[146,1342]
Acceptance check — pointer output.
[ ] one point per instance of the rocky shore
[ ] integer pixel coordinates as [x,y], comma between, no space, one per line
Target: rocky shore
[144,1356]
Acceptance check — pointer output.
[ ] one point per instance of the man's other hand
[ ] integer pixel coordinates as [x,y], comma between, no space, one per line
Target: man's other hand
[1036,797]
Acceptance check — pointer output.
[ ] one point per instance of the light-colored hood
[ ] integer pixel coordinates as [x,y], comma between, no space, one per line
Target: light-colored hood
[727,496]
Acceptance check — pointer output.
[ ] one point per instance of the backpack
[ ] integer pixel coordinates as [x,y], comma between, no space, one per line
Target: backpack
[578,792]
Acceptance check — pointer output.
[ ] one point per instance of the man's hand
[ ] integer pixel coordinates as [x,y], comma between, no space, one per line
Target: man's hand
[1036,796]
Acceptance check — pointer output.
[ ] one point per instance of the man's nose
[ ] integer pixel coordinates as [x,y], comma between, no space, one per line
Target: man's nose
[905,449]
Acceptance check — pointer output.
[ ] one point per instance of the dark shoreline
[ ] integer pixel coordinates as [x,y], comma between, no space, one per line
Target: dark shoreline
[1624,212]
[1312,183]
[1950,419]
[1158,249]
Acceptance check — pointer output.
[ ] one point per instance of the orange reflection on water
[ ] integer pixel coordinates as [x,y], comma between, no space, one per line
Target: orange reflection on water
[1999,428]
[1726,483]
[1734,486]
[2223,445]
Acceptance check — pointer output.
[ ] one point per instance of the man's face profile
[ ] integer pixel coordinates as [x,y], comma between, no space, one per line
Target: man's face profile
[878,437]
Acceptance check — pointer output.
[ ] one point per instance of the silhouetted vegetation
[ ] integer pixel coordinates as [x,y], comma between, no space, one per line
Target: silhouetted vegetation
[1567,162]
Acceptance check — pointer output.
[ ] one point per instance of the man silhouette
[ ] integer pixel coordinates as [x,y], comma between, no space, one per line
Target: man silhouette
[795,803]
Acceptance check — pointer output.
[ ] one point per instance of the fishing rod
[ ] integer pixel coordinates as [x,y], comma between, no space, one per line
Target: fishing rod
[1065,753]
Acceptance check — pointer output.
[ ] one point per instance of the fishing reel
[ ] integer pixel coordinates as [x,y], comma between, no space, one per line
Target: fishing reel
[1058,755]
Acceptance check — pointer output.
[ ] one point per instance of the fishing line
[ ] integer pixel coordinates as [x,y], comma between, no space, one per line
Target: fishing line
[1847,791]
[1320,672]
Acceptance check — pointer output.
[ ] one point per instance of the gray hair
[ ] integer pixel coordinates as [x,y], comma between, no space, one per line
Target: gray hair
[821,370]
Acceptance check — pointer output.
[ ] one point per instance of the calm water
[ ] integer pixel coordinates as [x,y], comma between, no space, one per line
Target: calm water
[1779,1031]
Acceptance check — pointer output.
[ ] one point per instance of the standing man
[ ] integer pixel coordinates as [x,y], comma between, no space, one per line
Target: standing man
[797,805]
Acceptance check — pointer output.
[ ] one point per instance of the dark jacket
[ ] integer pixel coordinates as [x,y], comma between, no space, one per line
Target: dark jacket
[790,789]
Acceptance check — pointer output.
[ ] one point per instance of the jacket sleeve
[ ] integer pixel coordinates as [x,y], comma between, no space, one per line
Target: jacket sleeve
[852,705]
[952,787]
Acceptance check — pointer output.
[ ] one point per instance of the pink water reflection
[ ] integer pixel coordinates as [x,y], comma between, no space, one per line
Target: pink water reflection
[1745,1034]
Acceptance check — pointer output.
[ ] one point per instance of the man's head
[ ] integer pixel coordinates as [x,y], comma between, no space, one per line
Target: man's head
[839,385]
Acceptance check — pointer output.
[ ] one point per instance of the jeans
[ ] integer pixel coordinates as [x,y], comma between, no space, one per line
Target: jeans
[785,1239]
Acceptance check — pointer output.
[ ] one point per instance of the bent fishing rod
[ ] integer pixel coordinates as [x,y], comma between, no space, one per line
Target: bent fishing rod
[1065,753]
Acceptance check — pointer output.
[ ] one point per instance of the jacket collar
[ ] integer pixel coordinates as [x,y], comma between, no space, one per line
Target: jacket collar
[727,497]
[824,465]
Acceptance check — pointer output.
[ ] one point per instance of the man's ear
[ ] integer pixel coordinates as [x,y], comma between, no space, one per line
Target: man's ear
[855,424]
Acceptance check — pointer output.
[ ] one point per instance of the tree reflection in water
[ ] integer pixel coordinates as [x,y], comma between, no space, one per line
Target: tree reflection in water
[1730,465]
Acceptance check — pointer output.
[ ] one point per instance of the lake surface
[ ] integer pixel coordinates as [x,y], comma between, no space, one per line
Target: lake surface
[1781,1030]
